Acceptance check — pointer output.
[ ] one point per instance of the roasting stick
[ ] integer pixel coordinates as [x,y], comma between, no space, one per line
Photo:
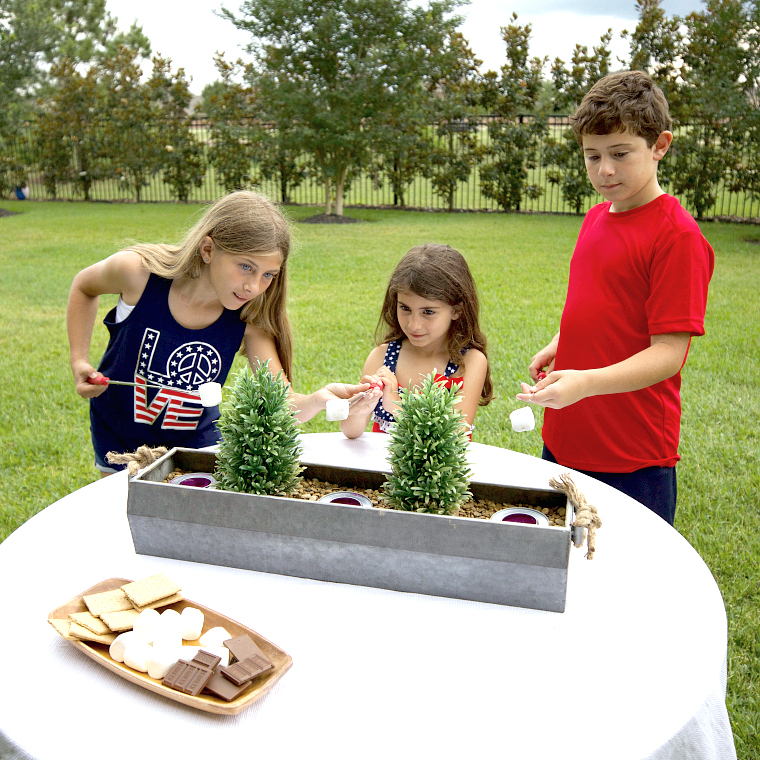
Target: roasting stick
[107,381]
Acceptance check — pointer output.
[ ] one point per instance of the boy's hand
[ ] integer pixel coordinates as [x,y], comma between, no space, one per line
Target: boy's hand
[557,390]
[544,359]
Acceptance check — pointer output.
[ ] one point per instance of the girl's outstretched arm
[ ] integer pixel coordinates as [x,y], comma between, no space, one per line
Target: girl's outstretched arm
[260,347]
[121,273]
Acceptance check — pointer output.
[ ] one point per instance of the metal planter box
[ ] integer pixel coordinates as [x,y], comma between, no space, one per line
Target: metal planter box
[462,558]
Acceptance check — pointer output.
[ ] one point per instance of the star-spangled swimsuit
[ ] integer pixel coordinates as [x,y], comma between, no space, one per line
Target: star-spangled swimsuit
[383,419]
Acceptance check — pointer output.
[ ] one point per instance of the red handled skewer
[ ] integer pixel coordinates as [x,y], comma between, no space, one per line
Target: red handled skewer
[363,394]
[103,380]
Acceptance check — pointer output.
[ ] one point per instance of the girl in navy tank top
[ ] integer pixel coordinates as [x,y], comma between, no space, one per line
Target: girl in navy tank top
[183,314]
[429,323]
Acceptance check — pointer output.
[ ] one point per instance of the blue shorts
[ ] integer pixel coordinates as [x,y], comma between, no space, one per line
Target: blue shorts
[654,487]
[101,464]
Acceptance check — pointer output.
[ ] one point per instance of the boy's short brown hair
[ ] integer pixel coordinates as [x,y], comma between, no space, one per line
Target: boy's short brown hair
[624,100]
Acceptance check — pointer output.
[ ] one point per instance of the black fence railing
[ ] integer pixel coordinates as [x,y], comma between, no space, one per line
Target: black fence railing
[368,187]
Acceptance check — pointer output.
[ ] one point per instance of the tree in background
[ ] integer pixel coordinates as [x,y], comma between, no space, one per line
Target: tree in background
[233,134]
[35,36]
[515,142]
[282,160]
[69,134]
[454,148]
[402,151]
[655,47]
[715,102]
[131,139]
[748,174]
[562,157]
[334,71]
[184,165]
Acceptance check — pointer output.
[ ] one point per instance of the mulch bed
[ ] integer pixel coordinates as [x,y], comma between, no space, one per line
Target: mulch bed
[329,219]
[312,489]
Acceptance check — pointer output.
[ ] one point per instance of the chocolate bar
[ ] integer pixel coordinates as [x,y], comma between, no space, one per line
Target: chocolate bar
[223,687]
[206,659]
[246,670]
[191,677]
[243,647]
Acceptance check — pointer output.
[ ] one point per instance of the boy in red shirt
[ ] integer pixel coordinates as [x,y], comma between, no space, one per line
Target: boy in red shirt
[636,295]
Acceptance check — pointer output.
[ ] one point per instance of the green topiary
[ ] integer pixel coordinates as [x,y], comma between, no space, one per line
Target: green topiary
[427,452]
[259,452]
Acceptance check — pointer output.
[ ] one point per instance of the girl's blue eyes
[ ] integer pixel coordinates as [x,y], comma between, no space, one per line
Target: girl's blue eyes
[248,268]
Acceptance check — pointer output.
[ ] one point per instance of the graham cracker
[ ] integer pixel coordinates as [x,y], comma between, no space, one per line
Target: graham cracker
[173,599]
[107,601]
[120,621]
[62,626]
[148,590]
[90,622]
[77,631]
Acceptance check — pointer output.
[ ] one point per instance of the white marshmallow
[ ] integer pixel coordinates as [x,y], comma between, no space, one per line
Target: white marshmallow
[137,653]
[214,637]
[211,394]
[522,419]
[187,652]
[167,639]
[162,659]
[170,622]
[191,623]
[146,625]
[336,409]
[119,644]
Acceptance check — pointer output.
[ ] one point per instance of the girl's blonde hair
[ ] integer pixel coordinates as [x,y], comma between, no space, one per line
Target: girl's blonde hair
[239,223]
[438,273]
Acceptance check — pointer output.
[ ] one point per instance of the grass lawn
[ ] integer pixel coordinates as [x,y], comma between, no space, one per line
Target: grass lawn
[338,276]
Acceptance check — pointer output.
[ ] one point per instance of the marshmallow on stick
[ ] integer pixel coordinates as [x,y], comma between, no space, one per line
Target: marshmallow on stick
[522,419]
[211,394]
[336,409]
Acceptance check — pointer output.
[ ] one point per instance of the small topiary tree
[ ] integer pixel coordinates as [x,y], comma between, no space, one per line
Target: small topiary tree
[259,452]
[427,452]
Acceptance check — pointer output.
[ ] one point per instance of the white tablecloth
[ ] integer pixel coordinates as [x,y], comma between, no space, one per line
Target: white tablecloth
[634,668]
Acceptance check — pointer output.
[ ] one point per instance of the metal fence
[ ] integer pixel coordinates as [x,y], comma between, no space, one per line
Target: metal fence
[368,188]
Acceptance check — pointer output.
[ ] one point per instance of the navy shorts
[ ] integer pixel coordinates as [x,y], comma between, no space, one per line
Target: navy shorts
[654,487]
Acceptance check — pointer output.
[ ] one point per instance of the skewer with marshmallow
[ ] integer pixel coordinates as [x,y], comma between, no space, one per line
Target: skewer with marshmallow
[210,393]
[337,408]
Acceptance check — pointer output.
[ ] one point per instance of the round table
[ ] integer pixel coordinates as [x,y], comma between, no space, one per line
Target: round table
[634,668]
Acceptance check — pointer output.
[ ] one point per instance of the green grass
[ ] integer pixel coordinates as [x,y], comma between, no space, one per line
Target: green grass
[338,275]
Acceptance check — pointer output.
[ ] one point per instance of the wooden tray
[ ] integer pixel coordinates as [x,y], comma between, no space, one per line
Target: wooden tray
[207,702]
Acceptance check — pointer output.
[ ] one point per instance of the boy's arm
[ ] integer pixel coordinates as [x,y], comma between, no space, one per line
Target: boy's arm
[662,359]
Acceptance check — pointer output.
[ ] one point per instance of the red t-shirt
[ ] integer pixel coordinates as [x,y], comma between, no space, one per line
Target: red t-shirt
[633,274]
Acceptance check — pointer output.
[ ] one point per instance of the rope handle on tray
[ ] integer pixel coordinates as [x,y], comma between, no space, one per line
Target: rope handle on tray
[586,515]
[136,460]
